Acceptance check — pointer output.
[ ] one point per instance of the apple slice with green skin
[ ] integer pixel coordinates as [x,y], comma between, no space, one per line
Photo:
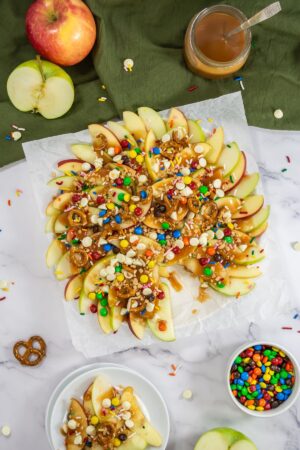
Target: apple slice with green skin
[41,86]
[77,413]
[252,255]
[243,272]
[50,210]
[224,439]
[232,203]
[65,268]
[64,183]
[70,166]
[84,303]
[63,200]
[61,224]
[95,129]
[87,402]
[216,140]
[73,288]
[235,177]
[245,187]
[134,124]
[116,318]
[235,287]
[150,158]
[121,132]
[152,121]
[137,326]
[250,206]
[229,158]
[85,152]
[259,230]
[255,221]
[93,275]
[55,251]
[101,387]
[49,227]
[177,119]
[164,314]
[196,133]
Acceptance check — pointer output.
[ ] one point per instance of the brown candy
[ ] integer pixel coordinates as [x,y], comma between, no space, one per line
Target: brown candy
[28,353]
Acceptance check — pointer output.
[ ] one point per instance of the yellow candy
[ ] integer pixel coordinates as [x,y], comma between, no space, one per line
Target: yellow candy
[144,278]
[259,363]
[187,180]
[132,208]
[263,385]
[132,154]
[94,420]
[120,277]
[151,264]
[115,401]
[246,360]
[110,206]
[124,243]
[271,393]
[251,407]
[92,295]
[259,408]
[267,377]
[282,354]
[267,364]
[278,389]
[139,159]
[116,442]
[126,197]
[271,372]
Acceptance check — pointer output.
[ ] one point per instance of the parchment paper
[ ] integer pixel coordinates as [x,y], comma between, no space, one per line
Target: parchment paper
[270,296]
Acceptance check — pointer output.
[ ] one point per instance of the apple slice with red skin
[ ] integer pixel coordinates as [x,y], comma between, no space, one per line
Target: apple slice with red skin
[229,183]
[163,315]
[250,206]
[51,210]
[63,200]
[73,287]
[216,140]
[177,119]
[252,255]
[229,158]
[259,230]
[255,221]
[121,132]
[136,325]
[64,183]
[95,130]
[233,203]
[246,186]
[71,165]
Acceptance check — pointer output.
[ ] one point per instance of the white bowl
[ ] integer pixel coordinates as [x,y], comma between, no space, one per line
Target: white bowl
[287,403]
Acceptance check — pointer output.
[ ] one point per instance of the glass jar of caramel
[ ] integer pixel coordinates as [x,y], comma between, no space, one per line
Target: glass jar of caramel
[207,49]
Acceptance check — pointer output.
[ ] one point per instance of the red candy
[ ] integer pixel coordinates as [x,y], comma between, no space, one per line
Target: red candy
[93,309]
[138,211]
[76,198]
[100,200]
[227,232]
[95,256]
[124,143]
[161,295]
[119,181]
[176,250]
[204,261]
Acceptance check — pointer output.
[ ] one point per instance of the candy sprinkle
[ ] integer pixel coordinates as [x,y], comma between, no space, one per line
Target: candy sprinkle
[2,298]
[288,159]
[192,88]
[18,192]
[102,99]
[9,202]
[286,328]
[283,170]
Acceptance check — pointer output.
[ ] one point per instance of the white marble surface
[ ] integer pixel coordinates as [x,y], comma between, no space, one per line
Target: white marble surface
[30,309]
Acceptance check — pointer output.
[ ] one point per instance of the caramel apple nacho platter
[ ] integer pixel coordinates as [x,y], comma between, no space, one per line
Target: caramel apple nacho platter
[145,199]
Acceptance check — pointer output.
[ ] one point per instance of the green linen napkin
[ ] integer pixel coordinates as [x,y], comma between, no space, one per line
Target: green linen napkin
[152,33]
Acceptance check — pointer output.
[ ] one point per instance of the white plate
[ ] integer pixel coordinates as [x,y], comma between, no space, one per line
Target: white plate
[75,384]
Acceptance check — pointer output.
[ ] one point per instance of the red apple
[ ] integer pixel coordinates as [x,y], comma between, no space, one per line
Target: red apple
[63,31]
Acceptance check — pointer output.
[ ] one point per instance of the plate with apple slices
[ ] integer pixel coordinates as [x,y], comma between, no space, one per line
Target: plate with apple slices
[144,200]
[105,408]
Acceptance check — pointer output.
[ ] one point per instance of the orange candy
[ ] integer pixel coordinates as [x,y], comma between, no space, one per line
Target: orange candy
[117,150]
[262,402]
[148,252]
[186,240]
[162,325]
[210,251]
[256,357]
[183,200]
[257,371]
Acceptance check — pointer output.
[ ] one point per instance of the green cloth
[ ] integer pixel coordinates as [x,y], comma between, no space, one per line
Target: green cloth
[152,33]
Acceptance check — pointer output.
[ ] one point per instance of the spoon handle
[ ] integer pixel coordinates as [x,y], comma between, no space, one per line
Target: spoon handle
[262,15]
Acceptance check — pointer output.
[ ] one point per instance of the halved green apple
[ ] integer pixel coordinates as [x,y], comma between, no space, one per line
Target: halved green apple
[73,287]
[121,132]
[224,439]
[135,125]
[252,255]
[243,272]
[177,119]
[164,315]
[95,129]
[255,221]
[196,133]
[216,140]
[229,158]
[235,287]
[55,251]
[250,206]
[65,183]
[245,186]
[152,121]
[65,268]
[236,176]
[85,152]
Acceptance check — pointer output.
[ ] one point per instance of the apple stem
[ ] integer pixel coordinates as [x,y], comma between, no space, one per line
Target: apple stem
[39,61]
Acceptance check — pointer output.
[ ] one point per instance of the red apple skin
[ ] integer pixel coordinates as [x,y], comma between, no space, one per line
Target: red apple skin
[64,161]
[62,31]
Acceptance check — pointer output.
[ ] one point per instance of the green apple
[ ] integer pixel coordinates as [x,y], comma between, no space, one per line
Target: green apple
[164,314]
[236,176]
[55,251]
[41,86]
[92,278]
[152,121]
[65,268]
[87,401]
[177,119]
[232,203]
[255,221]
[229,158]
[245,186]
[252,255]
[85,152]
[224,439]
[216,140]
[95,129]
[85,303]
[49,227]
[134,124]
[235,286]
[259,230]
[101,386]
[105,322]
[61,202]
[137,326]
[250,206]
[243,272]
[195,132]
[51,210]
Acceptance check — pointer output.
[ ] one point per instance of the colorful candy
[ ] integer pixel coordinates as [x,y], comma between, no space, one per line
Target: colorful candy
[262,377]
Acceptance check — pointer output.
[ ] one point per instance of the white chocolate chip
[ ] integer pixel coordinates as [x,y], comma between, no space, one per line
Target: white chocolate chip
[85,166]
[90,430]
[111,277]
[174,216]
[185,171]
[114,174]
[129,423]
[84,202]
[126,415]
[219,234]
[198,148]
[296,246]
[217,183]
[98,163]
[110,270]
[187,394]
[111,151]
[278,114]
[220,193]
[120,257]
[103,273]
[142,179]
[117,158]
[194,242]
[131,253]
[87,241]
[128,64]
[210,234]
[100,222]
[186,192]
[16,135]
[78,440]
[106,403]
[203,239]
[170,255]
[72,424]
[133,239]
[141,246]
[126,405]
[179,243]
[6,431]
[153,235]
[150,307]
[166,138]
[94,219]
[202,162]
[243,247]
[180,186]
[147,291]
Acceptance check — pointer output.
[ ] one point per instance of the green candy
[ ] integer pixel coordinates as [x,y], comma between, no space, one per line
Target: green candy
[163,242]
[203,189]
[284,387]
[244,391]
[273,380]
[267,352]
[238,359]
[283,374]
[247,384]
[240,369]
[103,312]
[104,302]
[228,239]
[121,196]
[138,150]
[254,394]
[207,271]
[233,387]
[99,296]
[127,181]
[220,284]
[118,268]
[239,388]
[165,225]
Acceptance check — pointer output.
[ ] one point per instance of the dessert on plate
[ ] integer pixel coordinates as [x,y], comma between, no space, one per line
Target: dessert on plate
[146,195]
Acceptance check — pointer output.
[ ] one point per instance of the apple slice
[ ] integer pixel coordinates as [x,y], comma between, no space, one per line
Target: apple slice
[196,133]
[177,119]
[152,121]
[193,265]
[243,445]
[121,132]
[150,434]
[250,206]
[64,183]
[134,124]
[116,318]
[84,303]
[252,255]
[41,86]
[65,268]
[233,203]
[50,210]
[70,166]
[235,287]
[163,317]
[216,140]
[61,224]
[85,152]
[245,187]
[62,201]
[87,402]
[255,221]
[243,272]
[101,386]
[92,277]
[73,287]
[76,413]
[95,129]
[150,158]
[229,158]
[55,251]
[137,326]
[259,230]
[236,176]
[49,227]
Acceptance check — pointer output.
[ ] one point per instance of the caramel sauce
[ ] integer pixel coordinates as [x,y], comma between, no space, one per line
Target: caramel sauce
[202,295]
[209,37]
[175,283]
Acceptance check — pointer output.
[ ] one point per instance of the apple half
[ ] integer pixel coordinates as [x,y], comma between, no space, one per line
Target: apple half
[41,86]
[224,439]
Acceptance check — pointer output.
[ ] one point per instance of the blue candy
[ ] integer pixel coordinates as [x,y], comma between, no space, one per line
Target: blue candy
[107,247]
[257,347]
[156,150]
[288,391]
[240,382]
[176,234]
[143,195]
[280,396]
[138,230]
[263,368]
[245,376]
[102,212]
[259,396]
[282,381]
[118,218]
[161,236]
[105,221]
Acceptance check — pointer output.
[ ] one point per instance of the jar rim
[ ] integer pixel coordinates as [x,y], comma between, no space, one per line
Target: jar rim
[226,9]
